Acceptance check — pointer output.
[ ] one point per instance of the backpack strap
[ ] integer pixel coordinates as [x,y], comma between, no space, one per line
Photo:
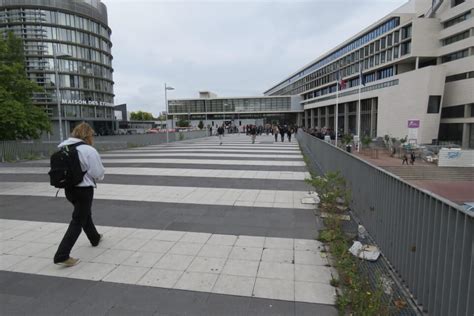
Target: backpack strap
[75,145]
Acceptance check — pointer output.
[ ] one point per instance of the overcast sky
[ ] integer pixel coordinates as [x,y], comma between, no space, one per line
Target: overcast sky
[232,48]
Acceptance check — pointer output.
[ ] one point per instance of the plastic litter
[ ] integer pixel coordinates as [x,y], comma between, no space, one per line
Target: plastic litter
[366,252]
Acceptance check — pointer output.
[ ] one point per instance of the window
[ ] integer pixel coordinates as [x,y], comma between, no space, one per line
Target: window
[395,51]
[456,2]
[434,103]
[389,54]
[463,17]
[396,37]
[453,112]
[382,43]
[389,40]
[406,48]
[455,38]
[382,57]
[455,55]
[462,76]
[406,32]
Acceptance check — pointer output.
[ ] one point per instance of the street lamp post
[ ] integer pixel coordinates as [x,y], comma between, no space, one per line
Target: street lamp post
[58,93]
[166,103]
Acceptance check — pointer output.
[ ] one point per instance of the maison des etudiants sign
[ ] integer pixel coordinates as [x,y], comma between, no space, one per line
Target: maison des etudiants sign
[86,102]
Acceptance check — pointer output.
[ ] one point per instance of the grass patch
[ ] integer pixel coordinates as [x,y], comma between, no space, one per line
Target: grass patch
[356,294]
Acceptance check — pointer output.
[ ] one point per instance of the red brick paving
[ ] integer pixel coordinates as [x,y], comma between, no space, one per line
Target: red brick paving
[453,190]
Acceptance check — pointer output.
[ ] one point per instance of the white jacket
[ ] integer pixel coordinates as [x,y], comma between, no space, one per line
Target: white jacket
[90,162]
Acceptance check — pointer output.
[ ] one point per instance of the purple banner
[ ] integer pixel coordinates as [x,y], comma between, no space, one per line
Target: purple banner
[413,123]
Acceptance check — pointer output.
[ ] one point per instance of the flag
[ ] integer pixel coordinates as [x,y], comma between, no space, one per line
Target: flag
[341,82]
[361,75]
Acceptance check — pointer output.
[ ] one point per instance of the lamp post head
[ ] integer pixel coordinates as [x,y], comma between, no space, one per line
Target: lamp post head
[169,88]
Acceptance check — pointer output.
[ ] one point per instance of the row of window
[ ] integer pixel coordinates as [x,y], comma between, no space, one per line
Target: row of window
[367,78]
[78,52]
[59,34]
[375,60]
[372,49]
[72,81]
[454,56]
[229,105]
[67,65]
[382,29]
[456,38]
[364,89]
[460,18]
[49,96]
[52,17]
[462,76]
[456,111]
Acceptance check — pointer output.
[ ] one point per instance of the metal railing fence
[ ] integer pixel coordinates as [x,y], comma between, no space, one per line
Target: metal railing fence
[428,240]
[19,150]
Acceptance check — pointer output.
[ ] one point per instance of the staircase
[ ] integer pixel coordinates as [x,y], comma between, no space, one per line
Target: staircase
[432,173]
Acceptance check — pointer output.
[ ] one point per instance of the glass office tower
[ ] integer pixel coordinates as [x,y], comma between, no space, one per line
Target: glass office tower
[77,30]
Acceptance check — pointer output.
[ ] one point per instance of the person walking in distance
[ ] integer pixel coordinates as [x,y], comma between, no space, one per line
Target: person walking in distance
[276,132]
[405,159]
[289,132]
[220,132]
[253,133]
[282,133]
[412,158]
[81,195]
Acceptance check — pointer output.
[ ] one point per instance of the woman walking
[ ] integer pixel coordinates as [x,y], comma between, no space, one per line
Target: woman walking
[276,131]
[81,195]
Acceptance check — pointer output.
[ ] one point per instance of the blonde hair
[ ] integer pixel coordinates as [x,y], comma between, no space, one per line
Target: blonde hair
[83,131]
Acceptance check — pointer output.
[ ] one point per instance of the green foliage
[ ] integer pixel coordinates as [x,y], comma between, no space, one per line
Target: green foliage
[404,140]
[346,139]
[182,123]
[332,192]
[181,136]
[356,296]
[19,118]
[366,140]
[200,125]
[141,116]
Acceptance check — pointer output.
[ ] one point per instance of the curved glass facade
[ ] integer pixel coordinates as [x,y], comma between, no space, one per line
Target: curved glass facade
[80,35]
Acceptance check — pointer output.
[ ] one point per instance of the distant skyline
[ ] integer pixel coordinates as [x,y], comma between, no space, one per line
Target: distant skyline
[232,48]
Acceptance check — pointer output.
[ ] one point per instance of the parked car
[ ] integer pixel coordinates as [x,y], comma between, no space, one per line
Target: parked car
[152,131]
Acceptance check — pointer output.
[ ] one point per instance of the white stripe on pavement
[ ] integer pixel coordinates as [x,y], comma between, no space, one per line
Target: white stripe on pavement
[170,194]
[195,162]
[201,173]
[274,268]
[201,149]
[211,155]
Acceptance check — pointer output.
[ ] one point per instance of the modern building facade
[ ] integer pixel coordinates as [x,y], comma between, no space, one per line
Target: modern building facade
[214,111]
[77,31]
[413,67]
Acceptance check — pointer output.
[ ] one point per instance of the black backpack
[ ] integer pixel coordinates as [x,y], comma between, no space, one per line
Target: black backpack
[66,169]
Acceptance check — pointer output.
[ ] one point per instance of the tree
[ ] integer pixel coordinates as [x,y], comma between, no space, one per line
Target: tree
[200,125]
[182,123]
[19,118]
[141,116]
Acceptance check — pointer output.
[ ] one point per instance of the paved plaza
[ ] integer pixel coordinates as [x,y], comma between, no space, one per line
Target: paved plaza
[189,228]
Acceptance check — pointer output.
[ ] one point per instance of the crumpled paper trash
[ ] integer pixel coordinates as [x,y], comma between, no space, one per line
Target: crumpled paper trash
[311,198]
[367,252]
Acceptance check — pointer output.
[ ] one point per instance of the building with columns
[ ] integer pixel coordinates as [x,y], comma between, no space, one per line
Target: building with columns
[412,68]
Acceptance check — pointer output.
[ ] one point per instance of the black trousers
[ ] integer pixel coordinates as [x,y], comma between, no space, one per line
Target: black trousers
[81,198]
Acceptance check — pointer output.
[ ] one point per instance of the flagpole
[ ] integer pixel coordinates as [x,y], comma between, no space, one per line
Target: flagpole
[336,112]
[359,108]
